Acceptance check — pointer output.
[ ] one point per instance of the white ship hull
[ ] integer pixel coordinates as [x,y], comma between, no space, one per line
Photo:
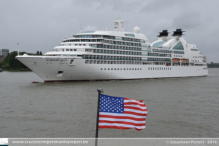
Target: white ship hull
[48,70]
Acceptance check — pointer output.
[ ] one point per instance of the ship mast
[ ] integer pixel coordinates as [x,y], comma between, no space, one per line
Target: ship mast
[18,48]
[119,24]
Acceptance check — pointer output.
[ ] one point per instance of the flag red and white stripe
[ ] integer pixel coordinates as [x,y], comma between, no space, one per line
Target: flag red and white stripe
[133,116]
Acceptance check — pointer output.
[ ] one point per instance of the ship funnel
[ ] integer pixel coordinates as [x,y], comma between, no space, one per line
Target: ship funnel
[178,32]
[164,33]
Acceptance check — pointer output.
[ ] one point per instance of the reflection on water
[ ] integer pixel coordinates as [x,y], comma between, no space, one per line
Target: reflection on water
[177,107]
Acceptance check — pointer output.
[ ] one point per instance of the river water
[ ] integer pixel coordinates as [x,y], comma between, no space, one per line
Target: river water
[177,107]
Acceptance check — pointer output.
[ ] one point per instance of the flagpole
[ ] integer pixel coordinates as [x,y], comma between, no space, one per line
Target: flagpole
[18,48]
[98,106]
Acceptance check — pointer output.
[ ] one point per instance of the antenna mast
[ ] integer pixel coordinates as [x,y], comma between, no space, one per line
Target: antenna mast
[81,29]
[18,48]
[119,24]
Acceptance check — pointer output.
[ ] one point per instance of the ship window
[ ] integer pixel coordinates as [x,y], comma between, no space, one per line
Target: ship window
[70,49]
[84,44]
[101,69]
[75,49]
[178,46]
[117,68]
[67,49]
[63,49]
[79,44]
[69,44]
[114,68]
[124,68]
[76,44]
[111,68]
[108,68]
[158,43]
[129,68]
[140,68]
[104,68]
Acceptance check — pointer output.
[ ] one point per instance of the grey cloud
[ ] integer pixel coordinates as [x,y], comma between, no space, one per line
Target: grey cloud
[113,5]
[41,25]
[188,20]
[161,6]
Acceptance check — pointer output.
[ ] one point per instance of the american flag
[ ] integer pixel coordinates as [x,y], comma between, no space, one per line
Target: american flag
[121,113]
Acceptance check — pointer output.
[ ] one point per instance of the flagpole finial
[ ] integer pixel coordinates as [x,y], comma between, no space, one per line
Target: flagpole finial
[100,90]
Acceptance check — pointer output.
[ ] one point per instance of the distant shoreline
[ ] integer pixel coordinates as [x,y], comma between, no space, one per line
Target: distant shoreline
[19,70]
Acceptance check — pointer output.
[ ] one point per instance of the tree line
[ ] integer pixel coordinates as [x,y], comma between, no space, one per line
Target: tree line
[10,63]
[213,65]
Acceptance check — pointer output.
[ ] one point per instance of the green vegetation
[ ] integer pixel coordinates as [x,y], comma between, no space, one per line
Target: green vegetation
[10,63]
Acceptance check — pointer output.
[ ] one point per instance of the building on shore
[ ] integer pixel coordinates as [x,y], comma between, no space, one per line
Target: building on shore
[4,52]
[213,65]
[2,58]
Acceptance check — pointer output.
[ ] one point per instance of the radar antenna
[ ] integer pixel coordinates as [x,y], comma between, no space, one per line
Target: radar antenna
[81,29]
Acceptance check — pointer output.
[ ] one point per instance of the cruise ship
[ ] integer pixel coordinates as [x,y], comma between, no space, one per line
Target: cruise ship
[118,55]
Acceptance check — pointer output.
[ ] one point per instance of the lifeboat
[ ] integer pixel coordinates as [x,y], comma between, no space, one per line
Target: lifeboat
[175,59]
[184,60]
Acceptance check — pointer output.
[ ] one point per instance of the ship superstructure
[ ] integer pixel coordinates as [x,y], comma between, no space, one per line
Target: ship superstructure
[108,55]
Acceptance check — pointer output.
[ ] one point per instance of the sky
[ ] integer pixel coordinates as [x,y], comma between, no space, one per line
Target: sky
[40,25]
